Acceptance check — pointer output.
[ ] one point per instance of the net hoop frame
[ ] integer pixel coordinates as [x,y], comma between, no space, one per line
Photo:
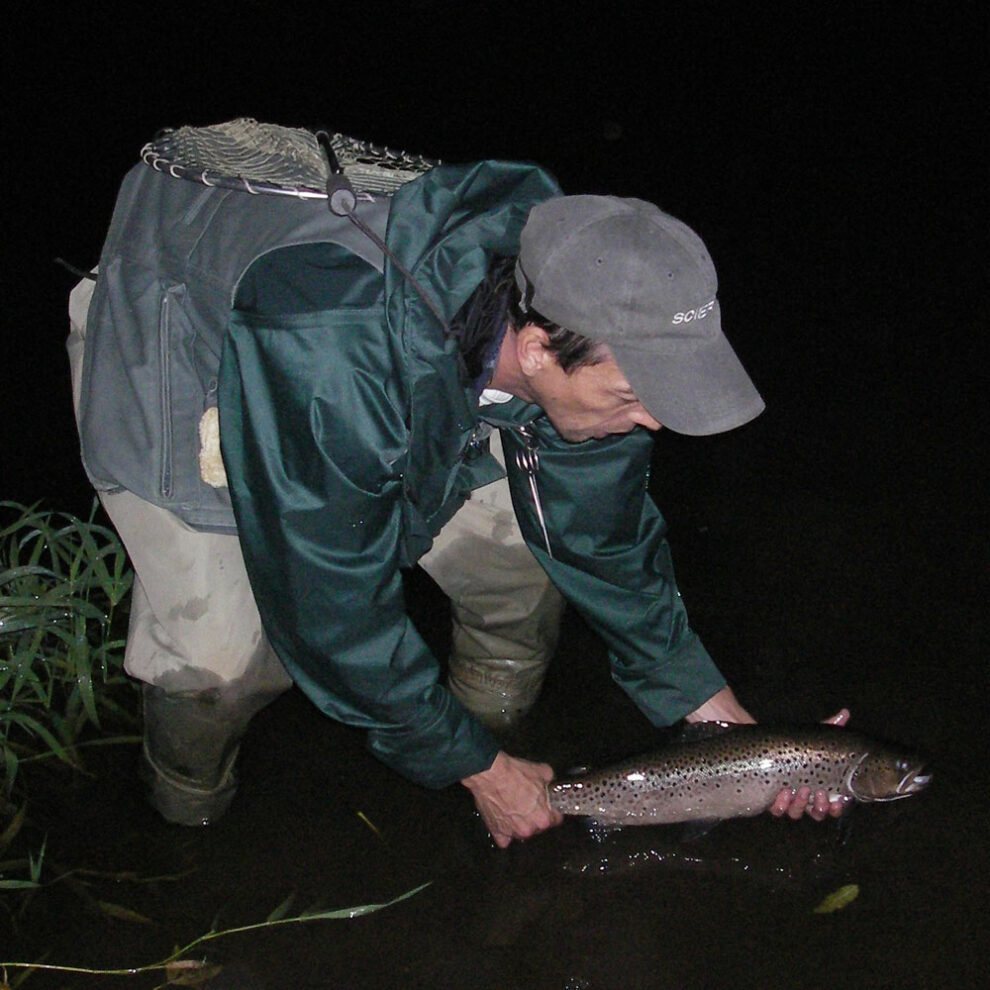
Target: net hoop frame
[370,167]
[151,155]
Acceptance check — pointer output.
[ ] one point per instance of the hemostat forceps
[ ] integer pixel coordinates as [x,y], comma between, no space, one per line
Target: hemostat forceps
[528,460]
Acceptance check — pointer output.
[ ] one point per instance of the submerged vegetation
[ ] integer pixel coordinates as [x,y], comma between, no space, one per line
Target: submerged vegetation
[63,586]
[63,593]
[180,970]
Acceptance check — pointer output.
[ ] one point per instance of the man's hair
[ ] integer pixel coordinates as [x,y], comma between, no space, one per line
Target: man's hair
[495,302]
[570,349]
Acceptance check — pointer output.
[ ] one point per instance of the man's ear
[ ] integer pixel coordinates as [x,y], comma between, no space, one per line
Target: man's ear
[532,352]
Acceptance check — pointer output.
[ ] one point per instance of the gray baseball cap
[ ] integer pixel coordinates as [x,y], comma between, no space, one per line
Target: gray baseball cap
[623,272]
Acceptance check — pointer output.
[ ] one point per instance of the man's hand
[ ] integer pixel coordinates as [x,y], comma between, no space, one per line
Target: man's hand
[724,707]
[511,797]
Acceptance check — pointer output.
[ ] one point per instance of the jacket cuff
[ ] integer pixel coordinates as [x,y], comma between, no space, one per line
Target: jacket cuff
[441,752]
[672,686]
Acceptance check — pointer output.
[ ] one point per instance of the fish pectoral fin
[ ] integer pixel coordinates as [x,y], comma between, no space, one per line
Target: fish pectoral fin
[698,827]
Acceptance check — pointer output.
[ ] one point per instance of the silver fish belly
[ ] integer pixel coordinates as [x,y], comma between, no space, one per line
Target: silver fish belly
[737,772]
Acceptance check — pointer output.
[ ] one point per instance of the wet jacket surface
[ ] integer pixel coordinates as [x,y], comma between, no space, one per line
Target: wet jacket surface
[349,440]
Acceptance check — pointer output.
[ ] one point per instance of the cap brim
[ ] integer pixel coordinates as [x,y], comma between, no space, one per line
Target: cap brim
[696,387]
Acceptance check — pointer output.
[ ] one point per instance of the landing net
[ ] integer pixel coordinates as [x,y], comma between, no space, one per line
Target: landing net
[271,159]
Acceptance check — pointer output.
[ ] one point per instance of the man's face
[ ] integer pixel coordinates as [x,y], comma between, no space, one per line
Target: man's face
[592,401]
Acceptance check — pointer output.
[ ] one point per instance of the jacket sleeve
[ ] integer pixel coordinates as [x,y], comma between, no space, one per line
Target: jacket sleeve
[611,560]
[314,444]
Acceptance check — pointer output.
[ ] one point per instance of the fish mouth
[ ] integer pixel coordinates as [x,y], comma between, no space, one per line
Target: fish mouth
[914,781]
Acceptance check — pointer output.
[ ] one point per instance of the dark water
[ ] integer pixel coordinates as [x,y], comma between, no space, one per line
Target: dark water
[640,908]
[832,553]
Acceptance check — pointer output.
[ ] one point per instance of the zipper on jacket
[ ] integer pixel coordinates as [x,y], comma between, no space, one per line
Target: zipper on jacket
[165,476]
[528,461]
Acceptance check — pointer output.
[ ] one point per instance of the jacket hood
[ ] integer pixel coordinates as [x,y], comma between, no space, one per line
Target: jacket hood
[446,226]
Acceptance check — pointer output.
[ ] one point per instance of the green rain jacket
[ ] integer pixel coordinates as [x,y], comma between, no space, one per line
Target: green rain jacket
[349,440]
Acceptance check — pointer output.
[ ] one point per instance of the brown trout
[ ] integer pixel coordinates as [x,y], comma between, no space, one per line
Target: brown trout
[738,770]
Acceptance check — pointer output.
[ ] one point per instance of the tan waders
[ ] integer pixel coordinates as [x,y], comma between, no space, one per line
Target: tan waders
[191,741]
[195,639]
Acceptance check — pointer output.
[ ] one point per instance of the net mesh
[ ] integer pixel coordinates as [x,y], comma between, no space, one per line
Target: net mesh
[269,158]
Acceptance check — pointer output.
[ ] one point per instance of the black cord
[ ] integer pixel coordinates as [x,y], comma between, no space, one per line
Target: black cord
[342,202]
[78,272]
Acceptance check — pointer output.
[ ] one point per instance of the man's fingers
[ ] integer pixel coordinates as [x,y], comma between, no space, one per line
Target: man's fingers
[839,718]
[795,803]
[800,801]
[782,803]
[545,772]
[818,808]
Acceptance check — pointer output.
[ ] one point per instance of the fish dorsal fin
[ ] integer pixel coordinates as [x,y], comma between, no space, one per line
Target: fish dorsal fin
[696,731]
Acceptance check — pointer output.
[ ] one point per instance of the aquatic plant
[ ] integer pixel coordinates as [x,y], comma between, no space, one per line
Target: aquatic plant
[63,585]
[190,972]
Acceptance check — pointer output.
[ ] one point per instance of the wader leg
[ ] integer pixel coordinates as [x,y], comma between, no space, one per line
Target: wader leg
[506,612]
[195,640]
[191,740]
